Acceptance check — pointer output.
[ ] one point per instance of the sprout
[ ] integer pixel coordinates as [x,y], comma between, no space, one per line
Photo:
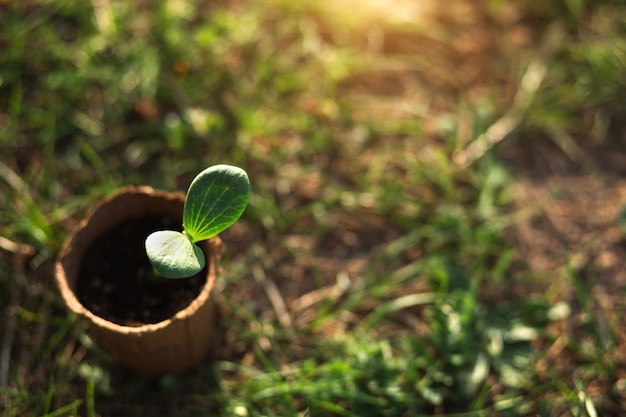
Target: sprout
[216,198]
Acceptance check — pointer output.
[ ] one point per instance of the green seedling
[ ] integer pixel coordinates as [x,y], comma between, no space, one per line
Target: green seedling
[215,200]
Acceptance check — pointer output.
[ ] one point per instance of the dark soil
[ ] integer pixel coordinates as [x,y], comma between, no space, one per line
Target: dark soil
[116,279]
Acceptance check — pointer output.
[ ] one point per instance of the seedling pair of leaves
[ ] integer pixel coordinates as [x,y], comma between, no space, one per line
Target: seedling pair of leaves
[216,198]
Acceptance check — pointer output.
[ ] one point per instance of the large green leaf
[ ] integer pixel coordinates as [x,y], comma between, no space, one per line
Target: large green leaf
[173,254]
[215,200]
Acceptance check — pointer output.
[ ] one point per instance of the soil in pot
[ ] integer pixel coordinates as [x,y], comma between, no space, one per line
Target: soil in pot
[117,282]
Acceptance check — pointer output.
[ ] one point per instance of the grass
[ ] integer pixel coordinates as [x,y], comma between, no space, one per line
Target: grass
[376,270]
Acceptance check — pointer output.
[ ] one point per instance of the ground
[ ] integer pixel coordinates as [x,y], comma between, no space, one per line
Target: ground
[434,220]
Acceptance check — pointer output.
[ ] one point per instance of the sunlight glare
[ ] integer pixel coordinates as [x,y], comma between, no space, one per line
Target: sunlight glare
[394,12]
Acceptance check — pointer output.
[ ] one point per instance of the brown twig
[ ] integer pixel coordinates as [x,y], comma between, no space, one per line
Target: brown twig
[20,250]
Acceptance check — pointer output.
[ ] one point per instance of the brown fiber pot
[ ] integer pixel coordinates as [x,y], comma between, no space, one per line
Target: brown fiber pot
[170,346]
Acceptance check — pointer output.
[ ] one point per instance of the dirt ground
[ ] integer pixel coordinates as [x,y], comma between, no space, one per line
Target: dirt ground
[572,226]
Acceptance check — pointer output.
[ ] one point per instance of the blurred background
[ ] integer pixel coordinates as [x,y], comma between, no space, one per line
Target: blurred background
[435,224]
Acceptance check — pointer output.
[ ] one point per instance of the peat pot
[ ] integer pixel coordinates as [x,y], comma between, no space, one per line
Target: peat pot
[154,326]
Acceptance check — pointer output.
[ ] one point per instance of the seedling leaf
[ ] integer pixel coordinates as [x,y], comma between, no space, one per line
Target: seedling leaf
[173,254]
[216,198]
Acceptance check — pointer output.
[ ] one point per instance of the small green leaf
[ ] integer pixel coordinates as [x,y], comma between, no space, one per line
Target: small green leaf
[173,255]
[215,200]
